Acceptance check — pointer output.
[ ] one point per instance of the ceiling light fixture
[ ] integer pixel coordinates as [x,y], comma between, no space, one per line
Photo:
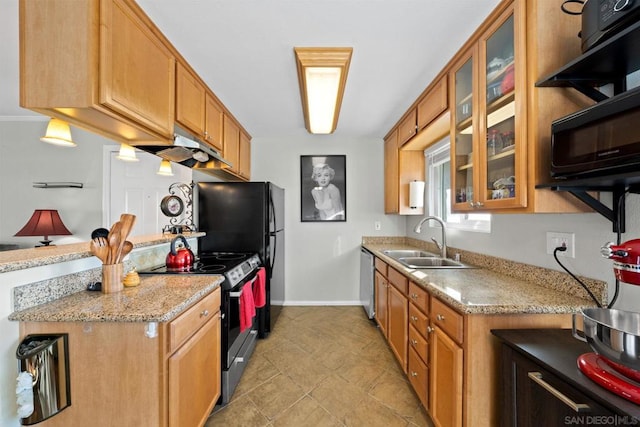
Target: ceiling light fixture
[127,153]
[322,74]
[165,168]
[58,133]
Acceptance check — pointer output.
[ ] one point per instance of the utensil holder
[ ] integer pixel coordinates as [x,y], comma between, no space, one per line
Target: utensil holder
[112,278]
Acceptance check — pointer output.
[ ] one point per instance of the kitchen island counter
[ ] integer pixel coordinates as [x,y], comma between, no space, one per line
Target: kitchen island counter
[485,290]
[157,299]
[20,259]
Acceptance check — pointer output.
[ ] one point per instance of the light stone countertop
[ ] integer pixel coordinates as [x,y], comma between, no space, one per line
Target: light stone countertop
[158,298]
[34,257]
[482,290]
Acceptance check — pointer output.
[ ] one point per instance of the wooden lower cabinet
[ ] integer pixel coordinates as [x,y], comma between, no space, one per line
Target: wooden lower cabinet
[129,372]
[398,326]
[381,302]
[446,380]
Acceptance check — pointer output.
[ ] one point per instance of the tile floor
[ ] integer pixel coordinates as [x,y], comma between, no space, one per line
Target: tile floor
[322,366]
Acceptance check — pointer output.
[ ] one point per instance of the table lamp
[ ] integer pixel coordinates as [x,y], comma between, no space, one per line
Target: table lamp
[44,222]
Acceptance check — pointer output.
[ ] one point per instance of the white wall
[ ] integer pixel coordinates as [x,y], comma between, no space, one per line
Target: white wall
[24,159]
[322,258]
[522,238]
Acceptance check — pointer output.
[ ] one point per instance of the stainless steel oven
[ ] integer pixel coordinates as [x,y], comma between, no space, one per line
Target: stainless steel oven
[239,271]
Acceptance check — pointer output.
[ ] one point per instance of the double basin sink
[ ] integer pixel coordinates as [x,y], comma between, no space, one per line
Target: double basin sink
[422,259]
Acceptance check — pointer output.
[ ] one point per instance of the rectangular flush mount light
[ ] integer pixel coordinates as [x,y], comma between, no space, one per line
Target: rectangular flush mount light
[322,74]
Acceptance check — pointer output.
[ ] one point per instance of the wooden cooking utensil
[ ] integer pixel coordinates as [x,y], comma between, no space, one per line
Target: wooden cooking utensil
[126,248]
[126,224]
[114,242]
[99,248]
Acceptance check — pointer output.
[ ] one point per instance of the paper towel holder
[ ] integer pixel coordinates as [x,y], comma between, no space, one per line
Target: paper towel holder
[416,194]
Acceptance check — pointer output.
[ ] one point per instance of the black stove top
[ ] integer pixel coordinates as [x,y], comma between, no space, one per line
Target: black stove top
[235,266]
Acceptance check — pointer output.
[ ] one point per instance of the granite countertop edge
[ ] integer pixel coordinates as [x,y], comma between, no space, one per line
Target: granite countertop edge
[158,298]
[20,259]
[438,281]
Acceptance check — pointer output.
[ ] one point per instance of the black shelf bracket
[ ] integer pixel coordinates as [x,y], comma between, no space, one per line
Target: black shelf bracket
[589,91]
[616,214]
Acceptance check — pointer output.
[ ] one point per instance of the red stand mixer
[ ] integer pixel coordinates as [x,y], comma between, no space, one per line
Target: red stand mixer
[614,334]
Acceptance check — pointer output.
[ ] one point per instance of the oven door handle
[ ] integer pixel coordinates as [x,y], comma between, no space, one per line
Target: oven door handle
[239,293]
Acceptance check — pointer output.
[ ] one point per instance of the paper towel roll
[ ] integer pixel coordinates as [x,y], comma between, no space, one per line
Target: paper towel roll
[416,194]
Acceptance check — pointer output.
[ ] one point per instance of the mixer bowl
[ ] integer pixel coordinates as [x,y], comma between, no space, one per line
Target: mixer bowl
[614,334]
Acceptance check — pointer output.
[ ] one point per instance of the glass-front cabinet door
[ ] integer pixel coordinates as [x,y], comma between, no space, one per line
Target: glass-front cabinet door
[488,132]
[464,161]
[503,166]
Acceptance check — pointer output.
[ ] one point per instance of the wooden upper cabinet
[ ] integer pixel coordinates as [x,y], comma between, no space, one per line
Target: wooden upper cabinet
[391,177]
[190,100]
[244,168]
[231,150]
[407,128]
[432,104]
[213,122]
[197,109]
[107,68]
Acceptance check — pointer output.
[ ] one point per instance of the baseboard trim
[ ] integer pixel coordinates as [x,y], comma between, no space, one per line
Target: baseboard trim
[316,303]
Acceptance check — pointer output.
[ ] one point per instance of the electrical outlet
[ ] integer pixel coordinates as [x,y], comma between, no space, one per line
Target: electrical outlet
[377,225]
[567,240]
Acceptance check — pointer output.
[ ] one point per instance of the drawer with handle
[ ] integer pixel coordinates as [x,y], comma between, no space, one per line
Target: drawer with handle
[419,344]
[189,322]
[419,297]
[418,320]
[447,319]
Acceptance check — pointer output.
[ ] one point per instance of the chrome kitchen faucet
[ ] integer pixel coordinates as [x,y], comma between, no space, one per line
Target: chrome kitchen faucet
[443,246]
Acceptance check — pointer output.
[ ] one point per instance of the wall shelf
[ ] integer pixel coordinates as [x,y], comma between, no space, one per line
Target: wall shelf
[58,185]
[618,185]
[607,63]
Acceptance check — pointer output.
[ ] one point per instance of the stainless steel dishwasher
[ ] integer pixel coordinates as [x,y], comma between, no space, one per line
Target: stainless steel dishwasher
[366,282]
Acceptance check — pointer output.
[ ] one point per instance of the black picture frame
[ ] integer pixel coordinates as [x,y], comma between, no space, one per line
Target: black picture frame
[320,202]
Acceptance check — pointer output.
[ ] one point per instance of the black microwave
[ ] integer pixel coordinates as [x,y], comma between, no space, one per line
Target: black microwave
[601,140]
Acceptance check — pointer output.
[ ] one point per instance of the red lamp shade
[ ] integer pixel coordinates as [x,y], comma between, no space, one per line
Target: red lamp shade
[44,222]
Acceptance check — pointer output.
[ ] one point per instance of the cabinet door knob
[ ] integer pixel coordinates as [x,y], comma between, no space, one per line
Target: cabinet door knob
[414,374]
[479,204]
[204,313]
[414,319]
[577,407]
[440,317]
[414,296]
[414,342]
[429,329]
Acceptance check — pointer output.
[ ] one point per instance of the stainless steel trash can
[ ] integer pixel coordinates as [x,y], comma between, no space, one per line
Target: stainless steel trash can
[43,363]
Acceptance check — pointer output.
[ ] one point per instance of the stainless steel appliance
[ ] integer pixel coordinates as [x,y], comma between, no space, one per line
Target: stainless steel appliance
[601,140]
[247,217]
[238,269]
[367,287]
[43,388]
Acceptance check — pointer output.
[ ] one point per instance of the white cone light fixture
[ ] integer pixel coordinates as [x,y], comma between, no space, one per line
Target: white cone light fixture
[58,133]
[127,153]
[165,168]
[322,75]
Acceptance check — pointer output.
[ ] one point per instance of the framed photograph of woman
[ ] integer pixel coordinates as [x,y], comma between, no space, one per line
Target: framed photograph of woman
[323,188]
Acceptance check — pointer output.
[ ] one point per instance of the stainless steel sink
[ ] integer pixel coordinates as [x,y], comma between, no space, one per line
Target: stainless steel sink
[407,253]
[431,262]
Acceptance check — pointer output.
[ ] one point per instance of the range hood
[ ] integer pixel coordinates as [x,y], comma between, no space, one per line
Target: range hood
[188,152]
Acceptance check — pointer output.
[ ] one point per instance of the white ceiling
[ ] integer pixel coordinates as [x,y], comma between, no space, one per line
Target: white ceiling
[243,49]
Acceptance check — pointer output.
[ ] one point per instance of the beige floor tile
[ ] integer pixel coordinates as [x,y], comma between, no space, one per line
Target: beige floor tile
[258,371]
[307,373]
[323,366]
[306,412]
[241,413]
[371,413]
[338,396]
[395,392]
[276,395]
